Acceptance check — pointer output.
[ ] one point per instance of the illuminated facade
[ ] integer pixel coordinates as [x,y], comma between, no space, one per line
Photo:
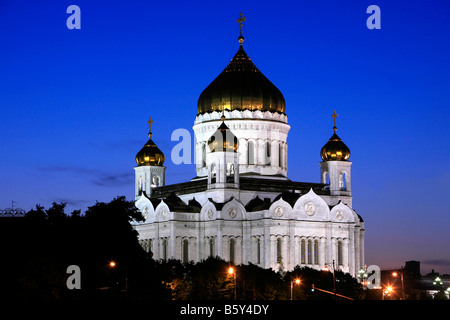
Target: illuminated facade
[241,206]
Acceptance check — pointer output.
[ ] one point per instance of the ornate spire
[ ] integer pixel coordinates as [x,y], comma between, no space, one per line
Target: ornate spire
[150,155]
[150,121]
[334,116]
[241,21]
[335,149]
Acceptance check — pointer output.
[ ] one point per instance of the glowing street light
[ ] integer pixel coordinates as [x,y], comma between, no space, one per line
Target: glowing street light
[294,281]
[387,291]
[326,268]
[231,271]
[395,274]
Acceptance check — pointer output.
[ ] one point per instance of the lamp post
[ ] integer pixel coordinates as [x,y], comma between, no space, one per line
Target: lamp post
[395,274]
[362,275]
[334,276]
[387,291]
[231,271]
[296,281]
[112,264]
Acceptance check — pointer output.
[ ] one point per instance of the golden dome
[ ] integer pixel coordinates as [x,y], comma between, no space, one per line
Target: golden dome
[223,139]
[335,149]
[241,86]
[150,155]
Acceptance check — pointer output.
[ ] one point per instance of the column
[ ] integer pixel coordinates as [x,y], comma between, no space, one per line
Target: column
[322,251]
[345,254]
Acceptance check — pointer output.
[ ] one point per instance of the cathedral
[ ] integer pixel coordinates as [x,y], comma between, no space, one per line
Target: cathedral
[241,206]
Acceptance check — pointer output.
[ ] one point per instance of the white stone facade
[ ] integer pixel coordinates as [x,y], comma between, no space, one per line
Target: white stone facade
[310,230]
[282,236]
[262,140]
[243,208]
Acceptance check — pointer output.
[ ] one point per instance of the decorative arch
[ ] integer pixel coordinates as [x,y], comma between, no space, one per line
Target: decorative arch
[162,212]
[311,207]
[208,211]
[280,209]
[233,210]
[342,213]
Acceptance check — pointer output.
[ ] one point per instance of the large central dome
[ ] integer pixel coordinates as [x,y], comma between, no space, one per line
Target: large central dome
[241,86]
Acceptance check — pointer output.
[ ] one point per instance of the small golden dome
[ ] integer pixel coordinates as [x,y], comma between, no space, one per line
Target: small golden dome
[241,86]
[335,149]
[223,139]
[150,155]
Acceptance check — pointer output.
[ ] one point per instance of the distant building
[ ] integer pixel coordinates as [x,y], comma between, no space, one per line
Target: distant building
[12,212]
[414,285]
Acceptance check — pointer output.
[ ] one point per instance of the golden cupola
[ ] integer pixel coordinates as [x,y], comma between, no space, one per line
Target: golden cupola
[223,139]
[335,149]
[150,155]
[241,86]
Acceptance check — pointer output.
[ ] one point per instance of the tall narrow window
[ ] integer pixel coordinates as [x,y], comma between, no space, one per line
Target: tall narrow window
[309,252]
[268,151]
[164,249]
[203,155]
[280,163]
[339,253]
[342,181]
[185,251]
[213,173]
[279,255]
[316,252]
[232,247]
[251,152]
[302,252]
[258,251]
[211,247]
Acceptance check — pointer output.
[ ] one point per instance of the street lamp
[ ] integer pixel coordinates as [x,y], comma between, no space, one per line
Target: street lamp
[387,292]
[296,281]
[362,275]
[395,274]
[326,268]
[112,264]
[231,271]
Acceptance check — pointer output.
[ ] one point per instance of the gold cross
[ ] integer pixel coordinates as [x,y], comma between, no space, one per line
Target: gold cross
[334,116]
[240,21]
[150,121]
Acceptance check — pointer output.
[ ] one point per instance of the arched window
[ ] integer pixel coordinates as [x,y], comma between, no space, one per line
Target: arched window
[309,252]
[232,248]
[213,173]
[258,251]
[279,254]
[164,249]
[211,247]
[316,252]
[185,251]
[280,163]
[141,185]
[342,181]
[251,152]
[339,253]
[267,153]
[230,172]
[303,252]
[203,155]
[155,181]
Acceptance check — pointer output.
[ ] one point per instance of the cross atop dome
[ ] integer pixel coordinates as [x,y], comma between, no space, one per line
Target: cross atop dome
[334,116]
[241,21]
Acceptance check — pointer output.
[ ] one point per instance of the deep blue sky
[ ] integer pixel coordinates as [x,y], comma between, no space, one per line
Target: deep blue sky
[74,103]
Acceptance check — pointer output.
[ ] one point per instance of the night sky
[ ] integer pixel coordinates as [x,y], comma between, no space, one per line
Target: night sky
[74,104]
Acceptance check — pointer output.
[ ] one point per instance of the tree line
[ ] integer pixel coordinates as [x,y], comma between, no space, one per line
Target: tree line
[37,249]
